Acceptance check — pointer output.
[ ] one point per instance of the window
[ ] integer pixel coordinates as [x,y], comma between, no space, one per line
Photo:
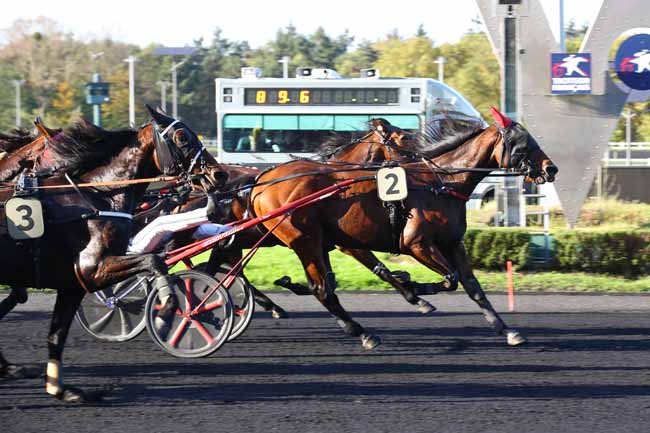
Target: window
[300,133]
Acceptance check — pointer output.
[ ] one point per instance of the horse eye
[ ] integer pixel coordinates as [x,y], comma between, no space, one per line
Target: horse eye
[180,137]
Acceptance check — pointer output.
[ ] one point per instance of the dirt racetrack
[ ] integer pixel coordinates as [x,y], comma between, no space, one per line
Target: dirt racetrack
[586,369]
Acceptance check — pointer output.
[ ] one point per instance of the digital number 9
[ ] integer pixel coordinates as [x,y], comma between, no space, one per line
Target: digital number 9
[283,97]
[304,97]
[260,97]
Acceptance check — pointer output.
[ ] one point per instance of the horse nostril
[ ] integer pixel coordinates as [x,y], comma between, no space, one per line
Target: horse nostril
[551,170]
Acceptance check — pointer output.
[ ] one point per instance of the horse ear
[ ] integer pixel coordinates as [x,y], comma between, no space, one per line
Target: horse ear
[158,117]
[42,129]
[380,125]
[502,120]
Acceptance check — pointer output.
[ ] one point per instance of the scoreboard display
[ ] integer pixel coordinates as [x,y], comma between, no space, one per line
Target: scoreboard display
[321,96]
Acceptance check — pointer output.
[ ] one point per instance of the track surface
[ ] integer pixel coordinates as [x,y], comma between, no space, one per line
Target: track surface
[586,369]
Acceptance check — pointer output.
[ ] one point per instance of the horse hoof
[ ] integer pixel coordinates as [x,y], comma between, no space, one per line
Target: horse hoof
[76,395]
[15,372]
[162,327]
[515,338]
[279,313]
[370,341]
[424,307]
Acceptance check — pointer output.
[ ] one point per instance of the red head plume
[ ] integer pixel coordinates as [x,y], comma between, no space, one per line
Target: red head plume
[501,120]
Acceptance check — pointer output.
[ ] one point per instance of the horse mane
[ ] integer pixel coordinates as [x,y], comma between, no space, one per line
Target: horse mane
[333,144]
[84,145]
[15,139]
[446,131]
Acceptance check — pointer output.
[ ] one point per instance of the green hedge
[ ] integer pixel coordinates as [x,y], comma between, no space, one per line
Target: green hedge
[490,249]
[624,252]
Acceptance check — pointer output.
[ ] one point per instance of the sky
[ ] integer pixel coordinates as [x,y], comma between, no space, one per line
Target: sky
[179,23]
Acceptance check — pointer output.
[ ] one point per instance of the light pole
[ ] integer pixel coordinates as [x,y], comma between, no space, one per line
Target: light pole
[18,83]
[163,94]
[441,68]
[285,66]
[175,66]
[562,34]
[131,61]
[97,78]
[175,51]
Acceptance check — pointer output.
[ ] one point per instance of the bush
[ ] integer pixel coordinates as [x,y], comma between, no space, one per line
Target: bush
[625,252]
[622,252]
[491,248]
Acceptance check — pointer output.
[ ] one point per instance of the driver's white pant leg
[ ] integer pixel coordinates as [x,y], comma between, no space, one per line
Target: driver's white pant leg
[161,229]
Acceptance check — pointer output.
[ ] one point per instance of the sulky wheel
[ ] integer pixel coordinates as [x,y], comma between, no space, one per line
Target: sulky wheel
[117,312]
[203,320]
[242,301]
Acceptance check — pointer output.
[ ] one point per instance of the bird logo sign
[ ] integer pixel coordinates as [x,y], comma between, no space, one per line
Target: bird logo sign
[570,73]
[633,62]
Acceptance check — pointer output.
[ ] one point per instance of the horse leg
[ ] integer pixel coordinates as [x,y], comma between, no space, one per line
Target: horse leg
[402,284]
[67,302]
[475,292]
[322,283]
[111,269]
[218,257]
[18,295]
[431,257]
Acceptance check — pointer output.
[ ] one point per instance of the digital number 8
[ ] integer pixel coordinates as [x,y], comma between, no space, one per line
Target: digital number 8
[260,97]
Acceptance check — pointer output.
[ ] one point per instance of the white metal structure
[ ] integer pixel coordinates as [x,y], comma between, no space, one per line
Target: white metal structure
[262,121]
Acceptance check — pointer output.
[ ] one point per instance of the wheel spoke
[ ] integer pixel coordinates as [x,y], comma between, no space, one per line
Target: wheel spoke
[125,322]
[204,332]
[188,295]
[210,306]
[101,323]
[179,331]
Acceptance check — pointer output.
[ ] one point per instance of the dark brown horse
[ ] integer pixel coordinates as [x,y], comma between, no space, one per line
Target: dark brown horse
[434,217]
[87,231]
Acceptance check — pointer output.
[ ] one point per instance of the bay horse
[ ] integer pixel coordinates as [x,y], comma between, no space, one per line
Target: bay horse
[368,148]
[84,245]
[434,216]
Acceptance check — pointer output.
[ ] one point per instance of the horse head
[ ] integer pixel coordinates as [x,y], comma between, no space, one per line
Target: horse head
[178,150]
[389,142]
[519,150]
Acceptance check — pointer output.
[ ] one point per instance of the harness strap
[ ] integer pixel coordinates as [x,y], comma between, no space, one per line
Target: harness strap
[111,214]
[166,130]
[196,158]
[78,191]
[82,282]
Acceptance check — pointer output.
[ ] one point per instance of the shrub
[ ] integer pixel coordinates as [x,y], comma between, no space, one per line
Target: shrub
[625,252]
[491,248]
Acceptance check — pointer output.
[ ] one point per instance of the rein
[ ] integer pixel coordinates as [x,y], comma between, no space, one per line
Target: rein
[368,167]
[107,183]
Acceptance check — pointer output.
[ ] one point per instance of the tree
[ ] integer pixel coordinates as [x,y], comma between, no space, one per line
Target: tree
[64,104]
[351,62]
[412,57]
[472,72]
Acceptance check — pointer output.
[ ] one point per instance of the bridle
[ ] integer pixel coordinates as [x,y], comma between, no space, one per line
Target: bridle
[169,157]
[524,165]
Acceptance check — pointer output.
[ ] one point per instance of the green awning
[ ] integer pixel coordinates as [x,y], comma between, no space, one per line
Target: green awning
[351,122]
[323,122]
[242,121]
[281,122]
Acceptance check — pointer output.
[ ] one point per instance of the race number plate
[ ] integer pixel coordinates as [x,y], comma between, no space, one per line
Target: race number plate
[24,218]
[391,184]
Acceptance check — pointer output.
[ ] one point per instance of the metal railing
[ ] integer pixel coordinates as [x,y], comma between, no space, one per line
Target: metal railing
[622,154]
